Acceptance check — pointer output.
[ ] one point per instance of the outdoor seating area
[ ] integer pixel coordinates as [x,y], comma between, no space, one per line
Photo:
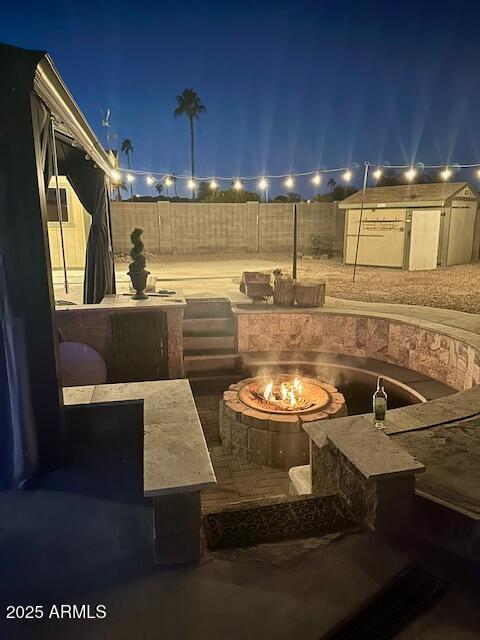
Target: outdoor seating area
[241,405]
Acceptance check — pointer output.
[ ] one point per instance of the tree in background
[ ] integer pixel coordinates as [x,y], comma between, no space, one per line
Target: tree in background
[339,192]
[204,191]
[127,149]
[190,105]
[291,196]
[232,195]
[394,178]
[159,188]
[331,183]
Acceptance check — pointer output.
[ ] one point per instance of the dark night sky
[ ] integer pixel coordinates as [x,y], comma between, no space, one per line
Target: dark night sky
[288,86]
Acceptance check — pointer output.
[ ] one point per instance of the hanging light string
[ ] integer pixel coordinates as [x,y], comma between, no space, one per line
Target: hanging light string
[168,179]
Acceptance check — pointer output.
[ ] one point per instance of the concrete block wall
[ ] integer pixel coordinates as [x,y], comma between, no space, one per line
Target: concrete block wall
[252,227]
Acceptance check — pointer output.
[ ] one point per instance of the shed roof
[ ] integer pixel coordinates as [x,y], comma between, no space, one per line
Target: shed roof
[418,194]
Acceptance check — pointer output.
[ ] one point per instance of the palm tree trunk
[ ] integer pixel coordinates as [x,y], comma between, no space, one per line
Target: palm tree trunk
[192,153]
[128,162]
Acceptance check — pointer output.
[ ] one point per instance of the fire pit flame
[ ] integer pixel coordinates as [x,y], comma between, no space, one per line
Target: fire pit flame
[285,395]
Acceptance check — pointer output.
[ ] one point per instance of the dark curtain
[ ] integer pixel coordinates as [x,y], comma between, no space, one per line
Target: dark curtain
[90,186]
[23,448]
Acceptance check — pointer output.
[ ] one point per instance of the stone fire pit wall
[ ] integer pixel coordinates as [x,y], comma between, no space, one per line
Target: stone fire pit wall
[271,439]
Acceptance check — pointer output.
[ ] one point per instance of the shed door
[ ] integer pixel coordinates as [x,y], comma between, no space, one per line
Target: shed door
[424,239]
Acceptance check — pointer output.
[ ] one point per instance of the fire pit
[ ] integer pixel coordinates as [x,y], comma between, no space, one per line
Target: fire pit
[261,418]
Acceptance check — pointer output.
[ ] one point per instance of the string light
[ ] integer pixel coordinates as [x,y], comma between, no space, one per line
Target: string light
[445,172]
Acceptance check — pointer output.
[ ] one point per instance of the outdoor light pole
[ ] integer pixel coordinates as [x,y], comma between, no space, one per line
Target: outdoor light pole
[294,251]
[364,188]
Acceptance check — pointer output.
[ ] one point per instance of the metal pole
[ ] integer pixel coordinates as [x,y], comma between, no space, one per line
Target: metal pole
[59,207]
[294,252]
[365,180]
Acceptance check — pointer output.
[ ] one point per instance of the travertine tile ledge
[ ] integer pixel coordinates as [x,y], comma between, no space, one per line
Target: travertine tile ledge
[176,458]
[369,450]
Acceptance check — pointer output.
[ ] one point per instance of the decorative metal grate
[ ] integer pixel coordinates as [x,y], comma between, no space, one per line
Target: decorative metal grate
[391,611]
[292,519]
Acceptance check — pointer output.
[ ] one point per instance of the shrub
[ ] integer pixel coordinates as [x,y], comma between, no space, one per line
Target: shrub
[322,243]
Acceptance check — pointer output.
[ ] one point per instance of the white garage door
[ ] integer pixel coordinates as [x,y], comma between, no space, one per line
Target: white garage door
[424,240]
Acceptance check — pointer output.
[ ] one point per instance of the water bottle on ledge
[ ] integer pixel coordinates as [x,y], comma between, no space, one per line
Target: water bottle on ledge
[379,405]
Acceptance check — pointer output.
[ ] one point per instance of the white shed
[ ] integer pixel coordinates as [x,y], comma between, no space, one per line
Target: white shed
[413,227]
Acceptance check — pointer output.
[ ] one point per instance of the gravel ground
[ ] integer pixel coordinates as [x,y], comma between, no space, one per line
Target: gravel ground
[455,287]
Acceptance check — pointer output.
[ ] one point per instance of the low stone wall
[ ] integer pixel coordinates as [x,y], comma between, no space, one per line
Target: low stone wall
[250,227]
[451,356]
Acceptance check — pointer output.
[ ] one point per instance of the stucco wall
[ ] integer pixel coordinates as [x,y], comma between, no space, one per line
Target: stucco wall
[182,227]
[75,231]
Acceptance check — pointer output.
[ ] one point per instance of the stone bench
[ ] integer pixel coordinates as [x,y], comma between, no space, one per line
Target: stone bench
[176,465]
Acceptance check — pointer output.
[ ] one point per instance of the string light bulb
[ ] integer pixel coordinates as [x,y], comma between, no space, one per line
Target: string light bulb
[263,184]
[237,185]
[446,173]
[168,181]
[347,176]
[130,177]
[191,183]
[410,174]
[213,184]
[115,175]
[289,182]
[377,174]
[317,179]
[149,180]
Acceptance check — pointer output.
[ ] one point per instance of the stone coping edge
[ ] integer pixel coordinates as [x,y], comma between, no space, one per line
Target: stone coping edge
[176,457]
[371,451]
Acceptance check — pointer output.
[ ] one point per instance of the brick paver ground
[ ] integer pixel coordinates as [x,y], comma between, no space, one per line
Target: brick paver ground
[237,480]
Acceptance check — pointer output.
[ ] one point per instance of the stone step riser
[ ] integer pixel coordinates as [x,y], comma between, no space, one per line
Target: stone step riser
[204,343]
[208,327]
[218,362]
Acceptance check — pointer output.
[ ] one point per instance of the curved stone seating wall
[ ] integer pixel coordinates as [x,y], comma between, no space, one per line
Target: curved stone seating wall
[371,471]
[446,354]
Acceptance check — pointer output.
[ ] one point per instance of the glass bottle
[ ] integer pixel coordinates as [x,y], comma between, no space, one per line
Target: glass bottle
[379,405]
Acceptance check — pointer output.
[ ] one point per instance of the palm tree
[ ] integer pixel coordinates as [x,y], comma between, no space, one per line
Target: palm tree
[331,183]
[127,149]
[189,104]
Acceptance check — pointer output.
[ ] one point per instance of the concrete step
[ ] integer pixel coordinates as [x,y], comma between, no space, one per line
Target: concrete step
[301,480]
[198,308]
[199,344]
[211,362]
[208,327]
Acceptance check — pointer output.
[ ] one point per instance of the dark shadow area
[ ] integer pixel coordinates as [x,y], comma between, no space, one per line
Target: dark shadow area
[84,526]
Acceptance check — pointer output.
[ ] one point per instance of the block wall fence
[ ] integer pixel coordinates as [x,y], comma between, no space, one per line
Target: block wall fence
[251,227]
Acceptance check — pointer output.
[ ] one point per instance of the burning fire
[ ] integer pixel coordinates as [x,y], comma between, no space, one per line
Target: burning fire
[287,394]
